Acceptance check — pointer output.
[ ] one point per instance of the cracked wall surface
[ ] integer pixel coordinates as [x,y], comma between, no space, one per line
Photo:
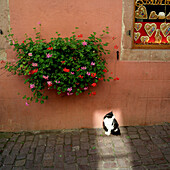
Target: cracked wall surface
[127,53]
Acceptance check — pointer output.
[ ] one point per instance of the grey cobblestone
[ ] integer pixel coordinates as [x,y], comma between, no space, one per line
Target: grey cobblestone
[21,156]
[82,161]
[49,149]
[29,164]
[81,153]
[20,162]
[48,163]
[140,147]
[9,160]
[30,157]
[51,143]
[21,139]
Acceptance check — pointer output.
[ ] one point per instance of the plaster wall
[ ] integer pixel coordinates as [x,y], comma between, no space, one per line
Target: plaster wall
[140,97]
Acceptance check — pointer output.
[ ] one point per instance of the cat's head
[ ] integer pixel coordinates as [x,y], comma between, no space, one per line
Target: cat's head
[109,115]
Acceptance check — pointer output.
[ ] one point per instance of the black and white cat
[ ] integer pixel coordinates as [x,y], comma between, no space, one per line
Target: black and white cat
[110,124]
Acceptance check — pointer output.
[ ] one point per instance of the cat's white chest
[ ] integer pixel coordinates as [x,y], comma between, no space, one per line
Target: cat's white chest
[108,123]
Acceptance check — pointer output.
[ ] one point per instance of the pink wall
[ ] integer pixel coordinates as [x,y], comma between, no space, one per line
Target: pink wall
[140,97]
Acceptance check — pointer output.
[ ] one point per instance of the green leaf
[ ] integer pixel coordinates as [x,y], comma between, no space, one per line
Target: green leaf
[106,44]
[42,101]
[44,97]
[36,101]
[24,97]
[26,81]
[59,88]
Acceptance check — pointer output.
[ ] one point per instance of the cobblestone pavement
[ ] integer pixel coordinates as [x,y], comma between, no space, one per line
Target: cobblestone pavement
[139,147]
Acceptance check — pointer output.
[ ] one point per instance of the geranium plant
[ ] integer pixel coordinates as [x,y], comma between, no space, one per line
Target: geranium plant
[70,65]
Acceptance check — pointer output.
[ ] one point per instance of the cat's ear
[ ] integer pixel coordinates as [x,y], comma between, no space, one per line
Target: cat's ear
[113,115]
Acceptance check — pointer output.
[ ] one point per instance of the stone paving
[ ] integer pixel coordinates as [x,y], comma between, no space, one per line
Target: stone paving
[139,147]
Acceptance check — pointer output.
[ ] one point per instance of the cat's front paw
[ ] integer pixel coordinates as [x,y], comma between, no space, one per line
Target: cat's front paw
[107,133]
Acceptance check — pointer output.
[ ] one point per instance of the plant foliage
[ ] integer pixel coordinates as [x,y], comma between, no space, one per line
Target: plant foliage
[70,65]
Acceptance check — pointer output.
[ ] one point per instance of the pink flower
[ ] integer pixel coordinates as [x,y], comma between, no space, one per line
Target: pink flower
[30,54]
[13,42]
[57,81]
[26,104]
[85,88]
[39,23]
[83,68]
[92,63]
[88,73]
[72,72]
[69,93]
[34,64]
[45,77]
[69,89]
[84,43]
[32,86]
[49,55]
[49,82]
